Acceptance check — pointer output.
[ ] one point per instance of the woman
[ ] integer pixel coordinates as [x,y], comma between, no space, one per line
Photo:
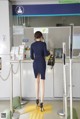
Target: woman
[38,53]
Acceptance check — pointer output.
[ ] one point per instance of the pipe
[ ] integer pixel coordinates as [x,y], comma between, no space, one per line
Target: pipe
[71,53]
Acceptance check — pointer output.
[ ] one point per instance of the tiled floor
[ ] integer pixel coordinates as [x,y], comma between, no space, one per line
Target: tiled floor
[51,108]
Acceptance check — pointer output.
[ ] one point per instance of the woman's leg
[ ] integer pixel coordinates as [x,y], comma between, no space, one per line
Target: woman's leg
[42,89]
[37,82]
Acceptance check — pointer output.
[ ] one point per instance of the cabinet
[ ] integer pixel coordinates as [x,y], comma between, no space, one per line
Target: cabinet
[53,82]
[49,82]
[58,79]
[28,81]
[76,80]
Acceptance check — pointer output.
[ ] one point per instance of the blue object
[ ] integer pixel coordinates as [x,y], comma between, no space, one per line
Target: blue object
[25,40]
[47,10]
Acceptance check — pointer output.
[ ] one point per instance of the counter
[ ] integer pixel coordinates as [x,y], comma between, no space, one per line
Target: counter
[56,60]
[28,80]
[53,82]
[54,79]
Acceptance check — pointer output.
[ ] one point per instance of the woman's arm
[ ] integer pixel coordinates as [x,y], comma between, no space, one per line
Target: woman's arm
[31,53]
[46,52]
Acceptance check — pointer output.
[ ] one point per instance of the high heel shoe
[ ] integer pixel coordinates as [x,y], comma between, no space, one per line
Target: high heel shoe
[37,102]
[41,106]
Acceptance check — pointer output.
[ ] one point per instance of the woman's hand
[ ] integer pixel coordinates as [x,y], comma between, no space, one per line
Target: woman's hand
[51,52]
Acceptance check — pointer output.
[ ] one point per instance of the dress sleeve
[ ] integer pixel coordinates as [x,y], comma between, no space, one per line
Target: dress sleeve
[31,53]
[46,52]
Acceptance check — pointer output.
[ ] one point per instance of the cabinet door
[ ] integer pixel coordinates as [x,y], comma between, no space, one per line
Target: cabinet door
[49,82]
[28,80]
[58,80]
[76,80]
[16,79]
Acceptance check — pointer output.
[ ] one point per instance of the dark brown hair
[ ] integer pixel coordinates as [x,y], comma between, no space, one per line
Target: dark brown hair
[38,34]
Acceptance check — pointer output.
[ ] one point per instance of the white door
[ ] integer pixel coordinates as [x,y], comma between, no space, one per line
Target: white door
[49,82]
[58,80]
[28,80]
[76,80]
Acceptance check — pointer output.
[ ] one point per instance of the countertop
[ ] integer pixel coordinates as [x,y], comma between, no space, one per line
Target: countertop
[57,60]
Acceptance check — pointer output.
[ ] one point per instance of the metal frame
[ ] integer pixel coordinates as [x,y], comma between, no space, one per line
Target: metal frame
[63,112]
[71,54]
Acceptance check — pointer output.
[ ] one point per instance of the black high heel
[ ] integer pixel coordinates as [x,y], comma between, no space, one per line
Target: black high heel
[37,102]
[41,106]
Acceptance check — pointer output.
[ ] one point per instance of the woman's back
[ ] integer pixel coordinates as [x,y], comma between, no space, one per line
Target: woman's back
[39,50]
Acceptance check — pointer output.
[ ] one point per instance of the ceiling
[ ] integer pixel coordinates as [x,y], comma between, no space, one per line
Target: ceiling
[36,1]
[44,1]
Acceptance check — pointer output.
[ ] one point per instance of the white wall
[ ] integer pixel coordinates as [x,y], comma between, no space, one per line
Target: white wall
[5,43]
[4,23]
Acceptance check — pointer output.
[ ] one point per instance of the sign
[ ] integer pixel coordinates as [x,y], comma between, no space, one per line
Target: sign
[19,10]
[46,9]
[43,30]
[18,30]
[69,1]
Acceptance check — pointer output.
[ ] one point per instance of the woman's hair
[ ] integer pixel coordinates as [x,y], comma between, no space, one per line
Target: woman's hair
[38,34]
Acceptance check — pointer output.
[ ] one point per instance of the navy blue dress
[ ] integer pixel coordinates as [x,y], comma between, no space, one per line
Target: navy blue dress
[38,52]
